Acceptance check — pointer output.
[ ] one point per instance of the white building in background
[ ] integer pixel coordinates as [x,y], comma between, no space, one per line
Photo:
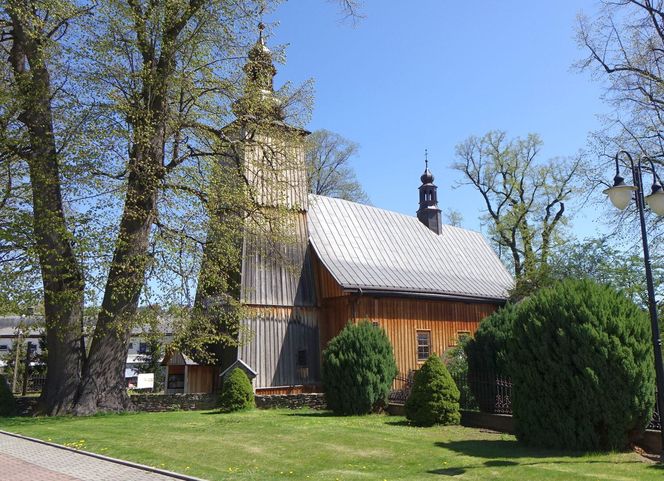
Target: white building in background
[11,330]
[29,329]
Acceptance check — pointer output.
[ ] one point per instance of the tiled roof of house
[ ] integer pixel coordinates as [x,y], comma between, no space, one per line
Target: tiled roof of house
[372,249]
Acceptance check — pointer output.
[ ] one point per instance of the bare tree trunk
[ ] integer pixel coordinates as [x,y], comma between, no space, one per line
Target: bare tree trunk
[61,274]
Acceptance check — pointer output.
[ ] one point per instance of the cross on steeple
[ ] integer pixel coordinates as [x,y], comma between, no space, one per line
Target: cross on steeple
[426,159]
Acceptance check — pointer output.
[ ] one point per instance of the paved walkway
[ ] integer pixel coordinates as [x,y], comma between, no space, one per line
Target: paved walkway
[25,460]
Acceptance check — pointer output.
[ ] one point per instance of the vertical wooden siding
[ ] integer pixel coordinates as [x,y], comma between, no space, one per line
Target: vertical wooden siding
[200,379]
[270,340]
[402,318]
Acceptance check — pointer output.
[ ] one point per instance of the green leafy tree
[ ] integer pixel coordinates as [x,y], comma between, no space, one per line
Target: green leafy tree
[7,401]
[329,172]
[597,259]
[581,366]
[456,362]
[32,34]
[525,199]
[434,398]
[487,355]
[115,106]
[358,369]
[236,392]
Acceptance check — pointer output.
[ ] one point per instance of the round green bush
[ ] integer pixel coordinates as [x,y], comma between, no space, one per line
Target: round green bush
[487,355]
[582,368]
[236,392]
[358,369]
[434,398]
[7,401]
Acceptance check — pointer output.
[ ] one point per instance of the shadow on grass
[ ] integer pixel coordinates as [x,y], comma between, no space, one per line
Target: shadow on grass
[448,471]
[399,423]
[510,449]
[497,463]
[316,414]
[504,454]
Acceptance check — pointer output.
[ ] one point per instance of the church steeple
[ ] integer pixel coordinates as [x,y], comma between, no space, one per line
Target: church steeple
[429,213]
[258,100]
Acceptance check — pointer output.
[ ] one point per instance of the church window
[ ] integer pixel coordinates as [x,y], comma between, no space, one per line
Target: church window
[423,345]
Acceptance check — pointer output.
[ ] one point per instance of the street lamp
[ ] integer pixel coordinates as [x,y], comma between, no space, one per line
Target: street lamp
[620,195]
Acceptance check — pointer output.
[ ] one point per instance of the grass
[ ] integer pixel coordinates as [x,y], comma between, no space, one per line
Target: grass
[309,445]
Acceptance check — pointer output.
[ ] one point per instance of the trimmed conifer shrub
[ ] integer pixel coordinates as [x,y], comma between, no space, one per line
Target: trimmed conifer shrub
[236,392]
[487,355]
[7,401]
[358,369]
[434,398]
[582,368]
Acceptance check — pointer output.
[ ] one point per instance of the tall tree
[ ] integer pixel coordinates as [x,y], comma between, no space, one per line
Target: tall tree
[597,259]
[165,63]
[31,31]
[328,156]
[524,197]
[624,42]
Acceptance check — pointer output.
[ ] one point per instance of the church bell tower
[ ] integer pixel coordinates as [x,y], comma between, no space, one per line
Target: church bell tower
[429,213]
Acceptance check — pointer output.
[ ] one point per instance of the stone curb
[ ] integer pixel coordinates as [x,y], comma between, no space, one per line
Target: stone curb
[122,462]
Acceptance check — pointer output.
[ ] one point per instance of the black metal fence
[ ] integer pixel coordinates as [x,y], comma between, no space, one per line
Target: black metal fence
[491,394]
[401,387]
[656,422]
[34,384]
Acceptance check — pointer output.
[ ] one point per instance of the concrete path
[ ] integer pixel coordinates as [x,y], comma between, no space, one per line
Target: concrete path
[22,459]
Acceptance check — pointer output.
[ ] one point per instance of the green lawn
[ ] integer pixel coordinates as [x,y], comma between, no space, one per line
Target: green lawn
[301,445]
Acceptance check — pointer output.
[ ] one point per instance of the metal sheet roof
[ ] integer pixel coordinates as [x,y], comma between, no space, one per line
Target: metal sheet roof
[368,248]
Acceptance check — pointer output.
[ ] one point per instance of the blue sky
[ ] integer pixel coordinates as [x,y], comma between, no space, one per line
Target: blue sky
[428,74]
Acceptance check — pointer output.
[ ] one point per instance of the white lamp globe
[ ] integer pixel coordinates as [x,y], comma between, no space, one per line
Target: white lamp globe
[620,195]
[656,201]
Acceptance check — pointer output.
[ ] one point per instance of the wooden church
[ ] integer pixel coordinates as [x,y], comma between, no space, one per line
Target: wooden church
[425,283]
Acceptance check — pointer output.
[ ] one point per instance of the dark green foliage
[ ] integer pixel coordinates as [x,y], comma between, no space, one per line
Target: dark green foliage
[456,362]
[358,369]
[434,398]
[487,355]
[7,401]
[236,392]
[582,368]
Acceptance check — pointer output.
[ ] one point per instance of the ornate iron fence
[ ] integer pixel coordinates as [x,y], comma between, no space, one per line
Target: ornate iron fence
[492,394]
[401,386]
[656,421]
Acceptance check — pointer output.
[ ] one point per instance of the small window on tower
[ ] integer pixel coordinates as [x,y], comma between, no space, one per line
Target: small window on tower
[423,345]
[302,358]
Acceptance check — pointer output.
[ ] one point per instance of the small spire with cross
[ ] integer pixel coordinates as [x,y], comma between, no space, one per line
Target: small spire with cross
[426,159]
[261,27]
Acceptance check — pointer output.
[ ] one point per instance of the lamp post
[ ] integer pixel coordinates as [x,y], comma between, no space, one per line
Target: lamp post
[620,195]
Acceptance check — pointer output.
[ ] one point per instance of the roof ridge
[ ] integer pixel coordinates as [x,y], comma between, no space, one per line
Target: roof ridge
[393,212]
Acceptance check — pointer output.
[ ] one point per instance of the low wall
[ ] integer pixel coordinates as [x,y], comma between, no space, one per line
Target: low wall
[291,401]
[651,441]
[173,402]
[26,405]
[496,422]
